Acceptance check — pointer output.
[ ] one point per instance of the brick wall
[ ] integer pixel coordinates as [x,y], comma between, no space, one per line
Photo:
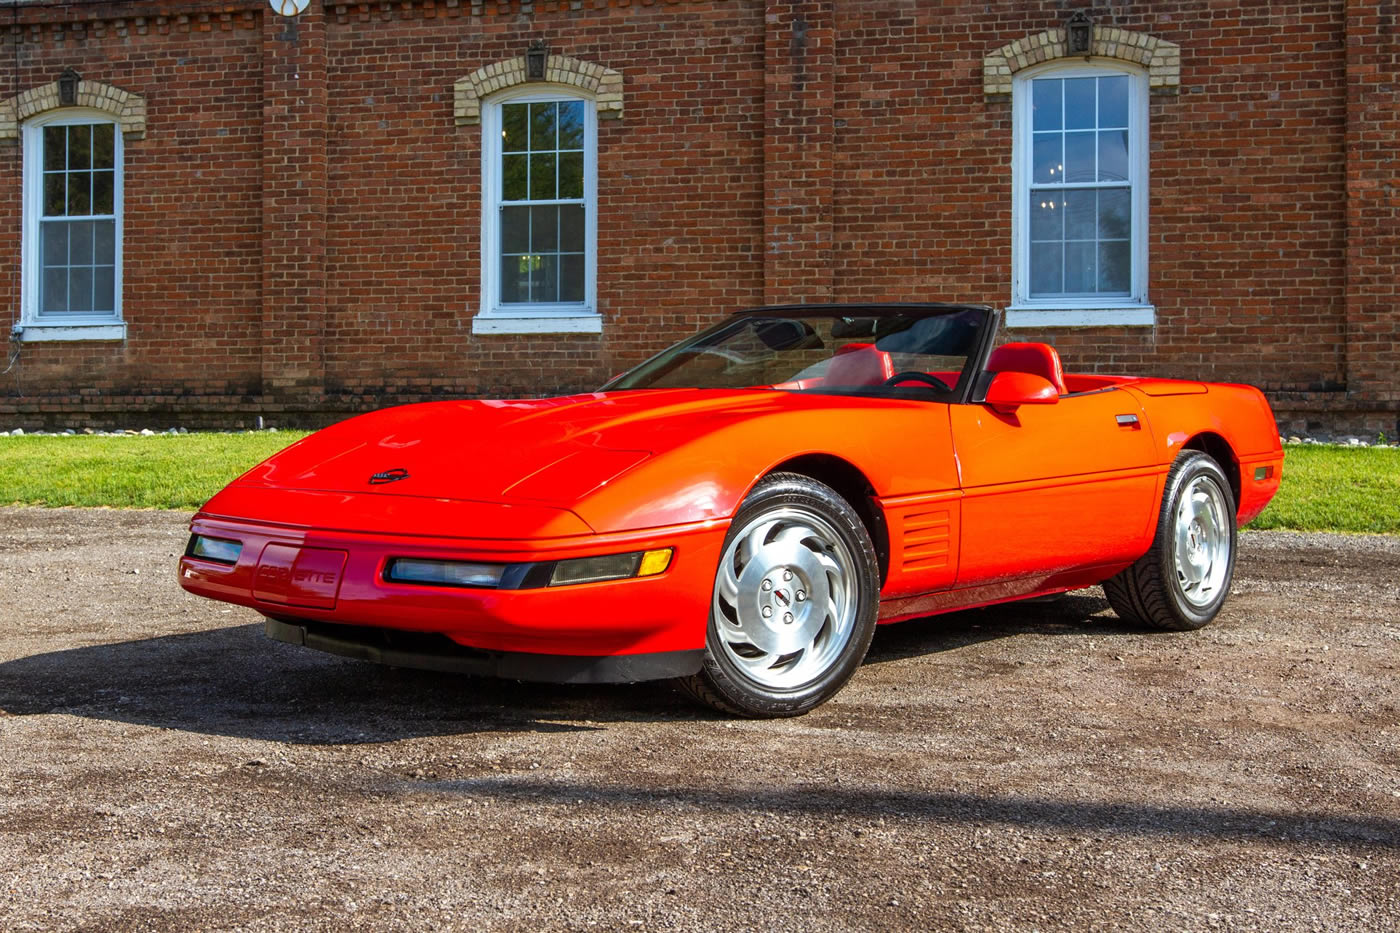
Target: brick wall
[303,212]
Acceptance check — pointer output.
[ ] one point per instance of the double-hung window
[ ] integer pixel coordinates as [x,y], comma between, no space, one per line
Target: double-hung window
[1080,181]
[72,227]
[538,215]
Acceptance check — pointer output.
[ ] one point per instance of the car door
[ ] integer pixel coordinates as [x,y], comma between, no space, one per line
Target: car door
[1053,487]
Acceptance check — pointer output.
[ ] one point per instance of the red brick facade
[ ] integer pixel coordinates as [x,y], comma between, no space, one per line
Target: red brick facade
[303,215]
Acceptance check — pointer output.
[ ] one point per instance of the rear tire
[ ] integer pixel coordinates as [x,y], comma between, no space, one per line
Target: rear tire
[1181,582]
[794,604]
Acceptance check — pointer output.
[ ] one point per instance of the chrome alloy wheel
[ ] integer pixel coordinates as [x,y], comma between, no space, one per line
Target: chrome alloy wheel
[1202,541]
[785,598]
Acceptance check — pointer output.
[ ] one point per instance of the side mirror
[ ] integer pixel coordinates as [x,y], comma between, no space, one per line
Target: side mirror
[1010,390]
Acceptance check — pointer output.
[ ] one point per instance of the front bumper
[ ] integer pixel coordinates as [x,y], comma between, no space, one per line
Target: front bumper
[308,576]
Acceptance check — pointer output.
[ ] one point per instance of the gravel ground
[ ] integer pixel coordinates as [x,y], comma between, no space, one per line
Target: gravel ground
[1040,766]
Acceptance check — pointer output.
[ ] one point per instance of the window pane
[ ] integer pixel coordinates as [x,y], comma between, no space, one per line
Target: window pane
[1046,262]
[571,125]
[1047,216]
[514,135]
[80,288]
[571,228]
[79,193]
[515,177]
[1046,103]
[53,295]
[542,182]
[104,289]
[1113,101]
[1049,163]
[1081,214]
[1113,155]
[55,148]
[80,147]
[515,279]
[544,229]
[1079,103]
[1115,213]
[1080,274]
[544,282]
[80,243]
[103,148]
[55,195]
[542,135]
[102,193]
[571,278]
[571,174]
[1115,267]
[515,230]
[53,243]
[1079,157]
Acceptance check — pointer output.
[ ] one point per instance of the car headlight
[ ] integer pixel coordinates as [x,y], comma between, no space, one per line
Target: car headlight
[444,572]
[219,550]
[610,567]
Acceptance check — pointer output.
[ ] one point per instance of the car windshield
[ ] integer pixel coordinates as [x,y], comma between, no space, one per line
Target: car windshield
[915,353]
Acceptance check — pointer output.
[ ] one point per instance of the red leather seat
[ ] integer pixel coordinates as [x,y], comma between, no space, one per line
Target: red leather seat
[859,364]
[1038,359]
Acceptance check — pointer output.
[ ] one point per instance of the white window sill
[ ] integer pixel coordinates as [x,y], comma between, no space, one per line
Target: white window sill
[537,324]
[108,330]
[1123,316]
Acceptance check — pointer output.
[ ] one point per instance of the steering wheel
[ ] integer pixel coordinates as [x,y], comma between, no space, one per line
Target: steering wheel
[914,375]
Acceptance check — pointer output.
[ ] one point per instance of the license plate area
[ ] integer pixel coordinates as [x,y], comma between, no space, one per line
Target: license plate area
[299,576]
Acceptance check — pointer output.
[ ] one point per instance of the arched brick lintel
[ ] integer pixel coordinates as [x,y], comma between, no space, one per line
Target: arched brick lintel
[604,85]
[126,108]
[1161,58]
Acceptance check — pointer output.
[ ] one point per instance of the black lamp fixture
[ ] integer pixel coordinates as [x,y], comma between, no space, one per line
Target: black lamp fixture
[68,87]
[1079,32]
[535,59]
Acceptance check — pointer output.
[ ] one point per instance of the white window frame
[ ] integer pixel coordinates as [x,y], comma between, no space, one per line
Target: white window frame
[33,324]
[1132,310]
[493,317]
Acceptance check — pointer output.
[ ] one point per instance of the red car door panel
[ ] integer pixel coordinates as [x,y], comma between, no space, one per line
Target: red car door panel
[1053,487]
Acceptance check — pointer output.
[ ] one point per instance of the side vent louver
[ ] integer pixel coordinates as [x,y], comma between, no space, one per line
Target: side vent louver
[927,540]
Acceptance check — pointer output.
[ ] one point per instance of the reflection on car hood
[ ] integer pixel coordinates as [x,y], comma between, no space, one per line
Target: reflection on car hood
[541,450]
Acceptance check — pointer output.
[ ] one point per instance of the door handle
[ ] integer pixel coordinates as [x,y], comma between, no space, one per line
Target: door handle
[1127,421]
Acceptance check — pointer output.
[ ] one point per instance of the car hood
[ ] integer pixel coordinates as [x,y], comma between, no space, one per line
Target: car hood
[553,451]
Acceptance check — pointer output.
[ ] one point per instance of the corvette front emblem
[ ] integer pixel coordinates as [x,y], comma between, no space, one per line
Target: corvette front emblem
[388,476]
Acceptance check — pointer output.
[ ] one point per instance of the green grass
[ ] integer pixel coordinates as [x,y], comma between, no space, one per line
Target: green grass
[1324,488]
[166,471]
[1354,489]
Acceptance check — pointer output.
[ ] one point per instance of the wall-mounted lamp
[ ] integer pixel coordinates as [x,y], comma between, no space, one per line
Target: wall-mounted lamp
[68,87]
[1080,33]
[535,58]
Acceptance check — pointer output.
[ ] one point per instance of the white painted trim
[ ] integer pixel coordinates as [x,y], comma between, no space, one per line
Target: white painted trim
[1137,316]
[537,324]
[32,208]
[98,330]
[1021,162]
[493,317]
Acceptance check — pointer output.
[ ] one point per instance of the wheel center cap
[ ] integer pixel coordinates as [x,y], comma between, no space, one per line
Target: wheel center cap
[783,598]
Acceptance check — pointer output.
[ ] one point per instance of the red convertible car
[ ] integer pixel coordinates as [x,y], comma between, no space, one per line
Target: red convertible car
[740,511]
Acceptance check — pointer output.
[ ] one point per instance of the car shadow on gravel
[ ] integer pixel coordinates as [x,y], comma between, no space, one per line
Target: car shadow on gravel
[1090,817]
[1080,613]
[234,682]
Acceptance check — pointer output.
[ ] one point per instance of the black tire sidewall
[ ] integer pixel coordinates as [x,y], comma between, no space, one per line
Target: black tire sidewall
[737,688]
[1188,469]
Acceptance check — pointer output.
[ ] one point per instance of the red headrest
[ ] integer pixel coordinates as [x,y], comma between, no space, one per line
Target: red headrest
[859,364]
[1038,359]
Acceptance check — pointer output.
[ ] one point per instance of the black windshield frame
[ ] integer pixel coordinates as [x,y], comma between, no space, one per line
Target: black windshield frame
[986,318]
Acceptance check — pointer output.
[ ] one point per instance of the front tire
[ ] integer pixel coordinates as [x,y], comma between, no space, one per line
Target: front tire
[795,601]
[1181,582]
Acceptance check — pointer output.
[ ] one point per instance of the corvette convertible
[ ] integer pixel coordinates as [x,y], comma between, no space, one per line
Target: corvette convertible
[739,512]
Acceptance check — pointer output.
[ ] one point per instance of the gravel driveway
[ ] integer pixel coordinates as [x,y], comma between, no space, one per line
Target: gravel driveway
[1040,766]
